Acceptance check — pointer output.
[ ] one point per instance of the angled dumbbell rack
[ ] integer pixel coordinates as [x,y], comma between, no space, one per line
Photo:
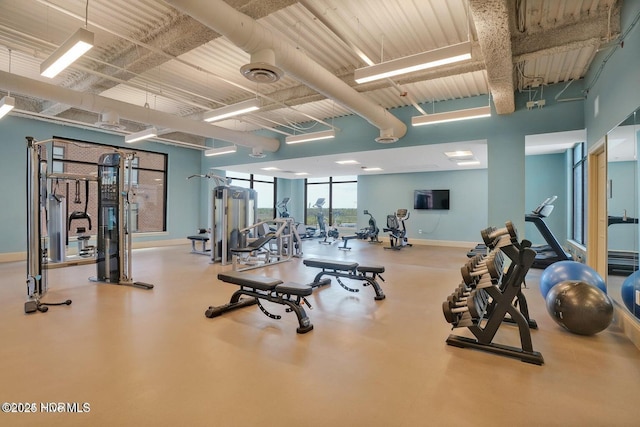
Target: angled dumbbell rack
[506,303]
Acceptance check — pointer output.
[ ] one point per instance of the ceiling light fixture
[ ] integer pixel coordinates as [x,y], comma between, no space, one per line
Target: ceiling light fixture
[73,48]
[420,61]
[301,173]
[371,169]
[142,135]
[468,163]
[451,116]
[270,168]
[232,110]
[6,104]
[313,136]
[221,150]
[347,162]
[458,154]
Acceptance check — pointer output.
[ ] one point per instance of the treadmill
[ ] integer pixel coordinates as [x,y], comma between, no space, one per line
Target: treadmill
[622,263]
[552,251]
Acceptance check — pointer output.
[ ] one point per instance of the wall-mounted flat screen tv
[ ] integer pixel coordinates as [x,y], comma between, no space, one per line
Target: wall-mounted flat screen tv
[431,199]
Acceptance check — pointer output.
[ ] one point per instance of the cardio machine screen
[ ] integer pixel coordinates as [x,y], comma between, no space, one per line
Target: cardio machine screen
[431,199]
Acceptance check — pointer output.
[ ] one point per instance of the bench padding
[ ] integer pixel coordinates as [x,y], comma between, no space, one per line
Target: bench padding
[330,264]
[293,288]
[378,269]
[263,283]
[199,238]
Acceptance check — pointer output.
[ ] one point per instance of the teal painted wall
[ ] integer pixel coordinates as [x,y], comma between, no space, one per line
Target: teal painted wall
[613,80]
[182,198]
[384,194]
[546,176]
[624,196]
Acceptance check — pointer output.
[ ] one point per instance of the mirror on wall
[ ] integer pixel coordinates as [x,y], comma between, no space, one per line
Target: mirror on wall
[623,278]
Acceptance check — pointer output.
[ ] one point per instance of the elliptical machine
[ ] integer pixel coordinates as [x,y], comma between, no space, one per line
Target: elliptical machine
[397,230]
[371,232]
[283,211]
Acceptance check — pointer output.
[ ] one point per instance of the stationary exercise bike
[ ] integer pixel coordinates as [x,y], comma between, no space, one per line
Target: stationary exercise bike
[397,229]
[371,232]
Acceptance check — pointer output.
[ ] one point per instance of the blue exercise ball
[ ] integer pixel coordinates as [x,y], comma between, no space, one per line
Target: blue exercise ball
[580,307]
[630,287]
[569,270]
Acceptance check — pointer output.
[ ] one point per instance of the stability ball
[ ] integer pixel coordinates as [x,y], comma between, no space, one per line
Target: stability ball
[580,307]
[569,270]
[630,287]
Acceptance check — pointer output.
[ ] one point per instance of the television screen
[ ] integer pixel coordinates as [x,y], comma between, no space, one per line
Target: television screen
[431,199]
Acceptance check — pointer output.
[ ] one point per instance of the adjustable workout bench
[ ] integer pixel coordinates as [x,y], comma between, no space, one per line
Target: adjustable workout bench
[347,270]
[260,287]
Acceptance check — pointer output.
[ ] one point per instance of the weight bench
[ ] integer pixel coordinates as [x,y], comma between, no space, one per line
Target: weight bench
[347,270]
[203,238]
[346,239]
[259,245]
[266,288]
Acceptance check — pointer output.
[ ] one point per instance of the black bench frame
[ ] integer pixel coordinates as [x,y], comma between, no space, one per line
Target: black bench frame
[290,294]
[346,239]
[347,270]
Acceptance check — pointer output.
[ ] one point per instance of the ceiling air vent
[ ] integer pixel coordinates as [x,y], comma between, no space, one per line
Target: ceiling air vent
[262,68]
[257,153]
[110,121]
[386,137]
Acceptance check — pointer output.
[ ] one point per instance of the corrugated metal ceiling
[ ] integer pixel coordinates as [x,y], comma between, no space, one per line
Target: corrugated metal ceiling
[143,55]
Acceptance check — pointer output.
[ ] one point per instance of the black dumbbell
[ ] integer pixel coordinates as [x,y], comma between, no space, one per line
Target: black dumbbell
[491,235]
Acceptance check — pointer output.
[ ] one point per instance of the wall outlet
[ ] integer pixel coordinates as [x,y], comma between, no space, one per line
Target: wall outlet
[420,231]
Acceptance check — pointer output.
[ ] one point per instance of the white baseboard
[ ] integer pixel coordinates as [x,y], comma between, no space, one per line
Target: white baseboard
[450,243]
[22,256]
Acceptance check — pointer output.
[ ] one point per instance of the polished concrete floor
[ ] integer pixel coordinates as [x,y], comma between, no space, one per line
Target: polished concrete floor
[151,357]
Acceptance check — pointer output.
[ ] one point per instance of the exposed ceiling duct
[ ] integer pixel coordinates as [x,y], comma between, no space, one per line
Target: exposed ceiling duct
[252,37]
[102,105]
[491,18]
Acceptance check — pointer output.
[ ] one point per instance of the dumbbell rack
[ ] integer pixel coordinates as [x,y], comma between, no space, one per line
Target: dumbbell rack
[487,297]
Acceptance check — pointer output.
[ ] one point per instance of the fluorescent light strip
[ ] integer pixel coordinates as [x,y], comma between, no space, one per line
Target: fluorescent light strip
[6,104]
[408,64]
[458,153]
[371,169]
[301,173]
[469,163]
[270,168]
[451,116]
[314,136]
[221,150]
[143,134]
[73,48]
[348,162]
[232,110]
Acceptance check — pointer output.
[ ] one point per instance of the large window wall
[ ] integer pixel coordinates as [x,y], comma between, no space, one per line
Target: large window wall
[341,202]
[578,232]
[149,177]
[264,185]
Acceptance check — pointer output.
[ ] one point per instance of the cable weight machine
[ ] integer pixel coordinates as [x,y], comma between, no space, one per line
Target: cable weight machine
[114,237]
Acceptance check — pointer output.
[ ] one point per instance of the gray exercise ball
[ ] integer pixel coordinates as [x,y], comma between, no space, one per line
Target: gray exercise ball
[579,307]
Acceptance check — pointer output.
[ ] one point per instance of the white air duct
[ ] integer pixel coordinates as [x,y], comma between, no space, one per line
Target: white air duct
[252,37]
[100,104]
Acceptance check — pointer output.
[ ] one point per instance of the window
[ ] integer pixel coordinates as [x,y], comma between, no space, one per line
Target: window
[340,206]
[148,179]
[58,154]
[579,191]
[265,186]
